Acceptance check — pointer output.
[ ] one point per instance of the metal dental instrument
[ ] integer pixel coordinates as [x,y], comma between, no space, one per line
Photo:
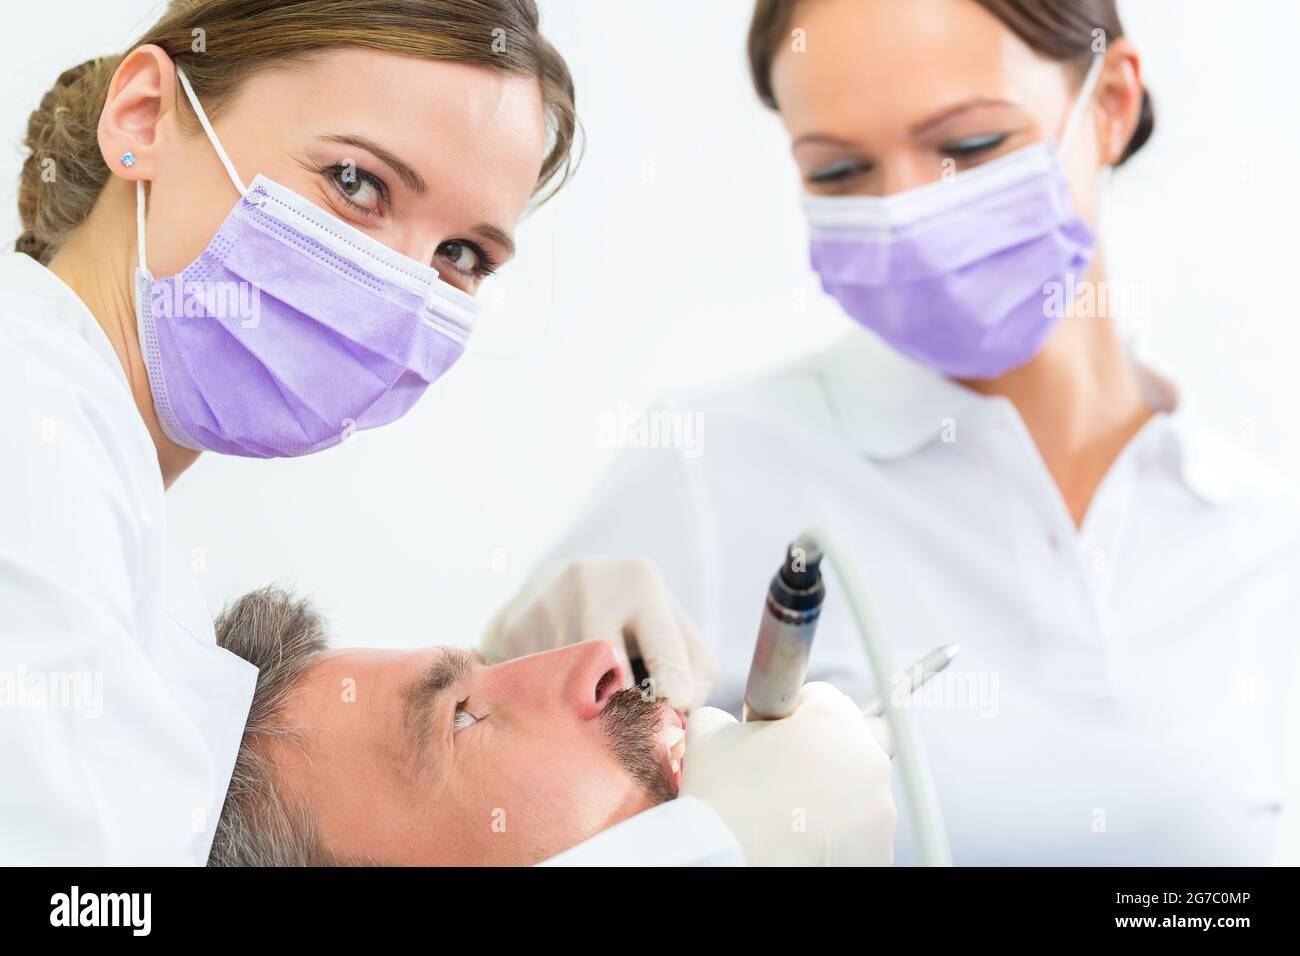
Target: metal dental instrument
[785,634]
[911,680]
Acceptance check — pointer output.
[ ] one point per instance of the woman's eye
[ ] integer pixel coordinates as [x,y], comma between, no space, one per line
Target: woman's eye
[359,189]
[974,146]
[835,172]
[463,718]
[466,258]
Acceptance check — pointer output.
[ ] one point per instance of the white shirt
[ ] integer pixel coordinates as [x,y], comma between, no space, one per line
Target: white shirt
[1119,694]
[126,755]
[681,832]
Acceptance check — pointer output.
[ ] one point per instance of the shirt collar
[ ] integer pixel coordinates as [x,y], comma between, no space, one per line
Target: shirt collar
[32,289]
[890,407]
[1204,463]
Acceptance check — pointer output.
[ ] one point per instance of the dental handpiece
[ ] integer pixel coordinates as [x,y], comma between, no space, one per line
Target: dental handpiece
[785,633]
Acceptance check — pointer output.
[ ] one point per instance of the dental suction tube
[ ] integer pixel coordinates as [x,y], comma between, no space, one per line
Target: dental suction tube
[785,634]
[780,662]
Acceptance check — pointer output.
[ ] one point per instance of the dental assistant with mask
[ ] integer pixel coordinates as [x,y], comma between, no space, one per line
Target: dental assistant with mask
[1121,580]
[233,249]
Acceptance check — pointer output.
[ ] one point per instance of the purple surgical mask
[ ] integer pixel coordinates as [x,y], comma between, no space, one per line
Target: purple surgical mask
[292,329]
[958,274]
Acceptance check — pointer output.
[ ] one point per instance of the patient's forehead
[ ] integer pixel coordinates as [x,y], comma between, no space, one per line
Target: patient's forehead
[350,750]
[370,661]
[365,691]
[345,714]
[351,699]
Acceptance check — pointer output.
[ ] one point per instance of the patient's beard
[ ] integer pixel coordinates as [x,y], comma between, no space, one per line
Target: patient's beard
[631,723]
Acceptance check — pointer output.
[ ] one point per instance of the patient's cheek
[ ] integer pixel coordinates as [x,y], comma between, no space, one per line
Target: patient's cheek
[546,802]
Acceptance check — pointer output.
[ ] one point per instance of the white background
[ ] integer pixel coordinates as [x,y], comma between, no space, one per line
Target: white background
[673,262]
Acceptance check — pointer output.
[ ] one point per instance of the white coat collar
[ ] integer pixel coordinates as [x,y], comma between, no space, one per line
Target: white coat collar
[22,278]
[890,407]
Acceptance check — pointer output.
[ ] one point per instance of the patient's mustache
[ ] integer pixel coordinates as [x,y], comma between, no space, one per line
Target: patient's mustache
[631,722]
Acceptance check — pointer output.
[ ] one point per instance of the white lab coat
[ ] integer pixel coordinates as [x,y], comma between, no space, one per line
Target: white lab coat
[125,755]
[1119,694]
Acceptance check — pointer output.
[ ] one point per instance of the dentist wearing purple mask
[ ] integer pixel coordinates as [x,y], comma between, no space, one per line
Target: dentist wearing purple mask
[1121,580]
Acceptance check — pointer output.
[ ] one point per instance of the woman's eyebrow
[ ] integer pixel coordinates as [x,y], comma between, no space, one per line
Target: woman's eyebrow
[496,234]
[405,172]
[918,129]
[415,182]
[947,114]
[821,139]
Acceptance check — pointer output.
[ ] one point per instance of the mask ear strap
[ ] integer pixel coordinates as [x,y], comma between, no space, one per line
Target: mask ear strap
[212,134]
[1083,102]
[139,221]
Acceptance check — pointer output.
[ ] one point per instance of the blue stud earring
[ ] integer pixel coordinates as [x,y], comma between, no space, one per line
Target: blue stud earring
[128,159]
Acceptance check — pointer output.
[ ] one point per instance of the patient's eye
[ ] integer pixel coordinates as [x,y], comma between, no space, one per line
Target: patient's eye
[463,718]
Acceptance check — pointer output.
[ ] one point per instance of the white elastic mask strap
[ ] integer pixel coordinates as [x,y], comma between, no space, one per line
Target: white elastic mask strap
[139,221]
[1081,105]
[212,134]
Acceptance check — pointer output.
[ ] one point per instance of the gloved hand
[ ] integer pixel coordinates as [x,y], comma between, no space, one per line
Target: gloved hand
[812,789]
[623,600]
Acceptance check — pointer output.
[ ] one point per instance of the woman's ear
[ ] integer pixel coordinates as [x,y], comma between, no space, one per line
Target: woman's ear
[1119,96]
[141,93]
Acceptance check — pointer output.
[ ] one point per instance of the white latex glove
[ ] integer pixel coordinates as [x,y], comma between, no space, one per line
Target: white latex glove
[622,600]
[812,789]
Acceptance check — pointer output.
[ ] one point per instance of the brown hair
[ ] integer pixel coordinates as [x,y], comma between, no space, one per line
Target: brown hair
[249,35]
[1058,29]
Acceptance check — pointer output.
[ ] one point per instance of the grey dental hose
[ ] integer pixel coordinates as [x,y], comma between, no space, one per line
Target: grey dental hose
[780,661]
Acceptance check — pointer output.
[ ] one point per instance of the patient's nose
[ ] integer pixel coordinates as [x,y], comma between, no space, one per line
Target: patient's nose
[593,671]
[578,679]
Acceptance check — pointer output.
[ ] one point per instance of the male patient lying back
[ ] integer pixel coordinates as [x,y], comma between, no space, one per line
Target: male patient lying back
[431,757]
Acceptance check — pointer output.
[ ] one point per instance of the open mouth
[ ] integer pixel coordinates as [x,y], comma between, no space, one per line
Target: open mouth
[672,739]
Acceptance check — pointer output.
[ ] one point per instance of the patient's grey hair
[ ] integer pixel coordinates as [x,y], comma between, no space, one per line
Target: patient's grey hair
[260,824]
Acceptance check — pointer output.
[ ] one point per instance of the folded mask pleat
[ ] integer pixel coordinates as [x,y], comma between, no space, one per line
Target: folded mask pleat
[244,394]
[354,304]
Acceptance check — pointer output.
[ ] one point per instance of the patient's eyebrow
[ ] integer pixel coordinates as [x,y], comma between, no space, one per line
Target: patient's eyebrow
[422,696]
